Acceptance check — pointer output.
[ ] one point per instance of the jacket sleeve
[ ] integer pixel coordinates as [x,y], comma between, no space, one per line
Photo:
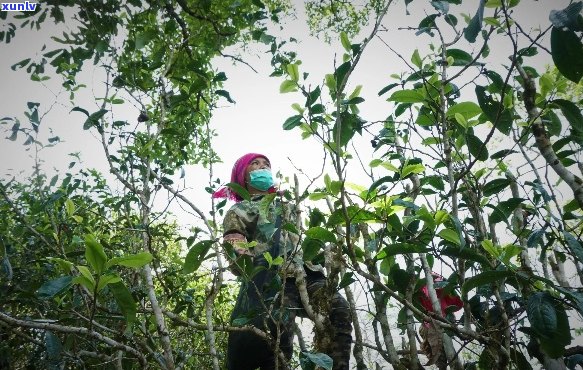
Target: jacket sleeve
[240,219]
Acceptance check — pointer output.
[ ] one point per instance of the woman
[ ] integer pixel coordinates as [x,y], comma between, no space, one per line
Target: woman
[244,223]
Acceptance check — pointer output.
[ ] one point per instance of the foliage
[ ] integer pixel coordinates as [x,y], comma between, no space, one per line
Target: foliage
[466,161]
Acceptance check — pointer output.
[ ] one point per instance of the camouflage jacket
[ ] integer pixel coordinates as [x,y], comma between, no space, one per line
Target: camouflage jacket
[256,222]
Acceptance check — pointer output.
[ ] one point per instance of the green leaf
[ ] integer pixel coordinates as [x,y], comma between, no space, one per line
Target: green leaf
[292,122]
[404,248]
[345,41]
[94,254]
[292,70]
[387,88]
[476,147]
[556,345]
[144,39]
[288,86]
[54,288]
[467,254]
[89,284]
[126,304]
[288,226]
[574,245]
[225,94]
[490,108]
[341,72]
[355,215]
[416,60]
[319,359]
[412,168]
[567,53]
[495,186]
[196,256]
[552,123]
[460,57]
[86,273]
[407,96]
[572,113]
[485,278]
[135,260]
[241,191]
[535,238]
[322,234]
[264,205]
[107,279]
[475,25]
[93,119]
[450,235]
[542,314]
[467,109]
[502,153]
[70,207]
[53,346]
[348,126]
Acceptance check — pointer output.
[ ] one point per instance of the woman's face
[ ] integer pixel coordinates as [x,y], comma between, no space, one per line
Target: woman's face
[256,164]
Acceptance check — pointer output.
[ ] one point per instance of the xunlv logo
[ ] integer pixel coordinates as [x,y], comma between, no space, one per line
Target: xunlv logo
[23,7]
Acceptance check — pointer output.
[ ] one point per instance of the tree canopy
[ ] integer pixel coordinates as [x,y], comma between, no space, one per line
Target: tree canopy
[448,202]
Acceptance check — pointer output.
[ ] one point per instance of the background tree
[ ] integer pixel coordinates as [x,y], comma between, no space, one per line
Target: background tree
[96,274]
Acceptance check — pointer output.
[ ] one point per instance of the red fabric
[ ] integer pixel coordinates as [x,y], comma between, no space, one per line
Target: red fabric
[444,301]
[238,177]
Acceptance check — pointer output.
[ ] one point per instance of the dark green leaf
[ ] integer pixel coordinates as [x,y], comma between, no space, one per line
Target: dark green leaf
[355,215]
[292,122]
[460,57]
[347,279]
[519,359]
[241,191]
[490,107]
[53,345]
[93,119]
[319,359]
[348,126]
[54,288]
[567,18]
[466,253]
[572,113]
[541,313]
[340,73]
[225,94]
[535,238]
[485,278]
[311,248]
[322,234]
[475,26]
[125,302]
[196,256]
[476,147]
[556,345]
[552,123]
[567,53]
[502,153]
[387,88]
[574,245]
[495,186]
[404,248]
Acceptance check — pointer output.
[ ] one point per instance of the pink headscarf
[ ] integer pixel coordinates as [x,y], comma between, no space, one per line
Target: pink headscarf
[444,301]
[238,177]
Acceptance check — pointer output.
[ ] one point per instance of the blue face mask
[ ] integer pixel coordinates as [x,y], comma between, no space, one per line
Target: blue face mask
[261,179]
